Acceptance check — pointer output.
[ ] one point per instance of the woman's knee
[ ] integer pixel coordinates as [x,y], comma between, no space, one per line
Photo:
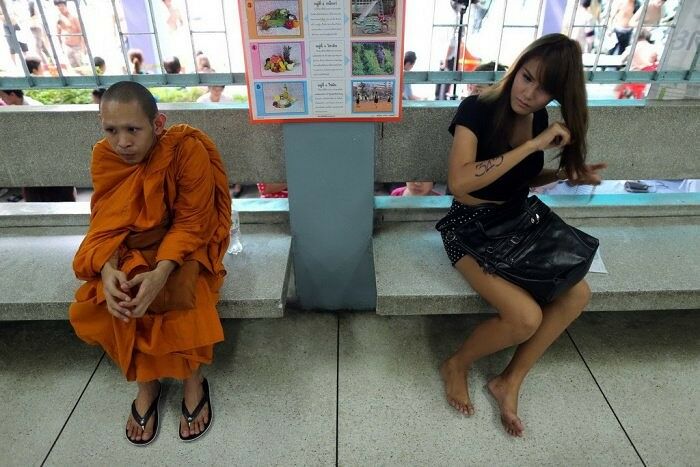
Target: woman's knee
[525,321]
[577,298]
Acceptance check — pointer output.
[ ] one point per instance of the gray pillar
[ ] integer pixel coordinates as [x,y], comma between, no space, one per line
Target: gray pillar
[330,175]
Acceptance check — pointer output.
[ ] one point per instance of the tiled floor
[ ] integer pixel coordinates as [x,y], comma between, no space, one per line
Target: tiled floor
[358,389]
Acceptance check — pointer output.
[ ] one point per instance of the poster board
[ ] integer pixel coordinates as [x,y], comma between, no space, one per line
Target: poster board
[323,60]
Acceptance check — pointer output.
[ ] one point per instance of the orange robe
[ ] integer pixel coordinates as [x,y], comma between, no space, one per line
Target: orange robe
[183,179]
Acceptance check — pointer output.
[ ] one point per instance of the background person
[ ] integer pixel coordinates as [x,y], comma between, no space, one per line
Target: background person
[70,35]
[416,189]
[409,61]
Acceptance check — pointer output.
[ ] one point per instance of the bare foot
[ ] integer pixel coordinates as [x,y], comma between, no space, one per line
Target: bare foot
[193,394]
[145,397]
[456,388]
[507,398]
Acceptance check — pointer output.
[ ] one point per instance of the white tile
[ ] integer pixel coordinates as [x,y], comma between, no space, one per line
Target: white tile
[648,365]
[43,369]
[392,409]
[273,388]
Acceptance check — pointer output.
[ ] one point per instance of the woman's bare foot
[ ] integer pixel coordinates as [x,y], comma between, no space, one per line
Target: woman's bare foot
[456,389]
[193,393]
[147,393]
[507,397]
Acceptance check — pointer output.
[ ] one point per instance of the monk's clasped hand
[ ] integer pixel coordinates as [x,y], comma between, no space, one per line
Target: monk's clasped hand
[149,284]
[117,299]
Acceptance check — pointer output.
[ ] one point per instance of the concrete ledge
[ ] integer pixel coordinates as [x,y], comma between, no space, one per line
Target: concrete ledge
[630,205]
[252,153]
[653,141]
[251,211]
[38,282]
[652,265]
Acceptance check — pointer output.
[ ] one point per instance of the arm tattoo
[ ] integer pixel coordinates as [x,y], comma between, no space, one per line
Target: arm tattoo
[483,167]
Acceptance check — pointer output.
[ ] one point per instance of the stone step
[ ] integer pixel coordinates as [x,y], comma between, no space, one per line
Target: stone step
[251,210]
[652,264]
[39,283]
[433,208]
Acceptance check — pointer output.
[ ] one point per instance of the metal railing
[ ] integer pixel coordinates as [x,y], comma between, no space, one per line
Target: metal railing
[64,75]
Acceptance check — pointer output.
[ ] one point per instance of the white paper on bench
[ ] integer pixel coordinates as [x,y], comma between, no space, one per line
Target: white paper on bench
[597,265]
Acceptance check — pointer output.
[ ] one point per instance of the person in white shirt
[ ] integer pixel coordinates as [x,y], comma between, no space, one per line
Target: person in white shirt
[17,97]
[215,94]
[409,60]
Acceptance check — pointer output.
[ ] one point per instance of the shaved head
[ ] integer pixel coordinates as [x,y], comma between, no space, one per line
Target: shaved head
[126,92]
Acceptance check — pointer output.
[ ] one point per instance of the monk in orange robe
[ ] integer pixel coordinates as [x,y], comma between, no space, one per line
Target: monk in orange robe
[147,177]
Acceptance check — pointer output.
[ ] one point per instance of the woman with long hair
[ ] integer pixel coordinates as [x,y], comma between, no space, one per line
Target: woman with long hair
[497,153]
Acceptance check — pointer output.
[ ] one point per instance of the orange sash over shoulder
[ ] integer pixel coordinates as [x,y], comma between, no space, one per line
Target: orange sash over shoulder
[183,180]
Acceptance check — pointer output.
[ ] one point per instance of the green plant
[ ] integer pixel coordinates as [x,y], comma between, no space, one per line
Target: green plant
[371,63]
[358,67]
[84,96]
[388,62]
[61,96]
[168,95]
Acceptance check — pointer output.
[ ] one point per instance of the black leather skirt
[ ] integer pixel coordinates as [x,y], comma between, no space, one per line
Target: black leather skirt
[522,241]
[461,214]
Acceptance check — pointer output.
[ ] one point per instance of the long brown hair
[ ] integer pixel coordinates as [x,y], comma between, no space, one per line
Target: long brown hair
[561,76]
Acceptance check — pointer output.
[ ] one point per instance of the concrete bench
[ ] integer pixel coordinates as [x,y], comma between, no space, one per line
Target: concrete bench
[654,141]
[38,242]
[649,245]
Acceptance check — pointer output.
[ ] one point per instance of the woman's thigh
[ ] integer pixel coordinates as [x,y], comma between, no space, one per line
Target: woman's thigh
[507,298]
[573,300]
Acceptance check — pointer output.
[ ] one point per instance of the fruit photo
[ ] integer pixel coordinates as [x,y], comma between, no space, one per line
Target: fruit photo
[281,59]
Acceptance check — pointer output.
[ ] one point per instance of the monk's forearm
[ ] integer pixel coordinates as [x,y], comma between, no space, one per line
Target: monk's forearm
[179,243]
[112,262]
[166,266]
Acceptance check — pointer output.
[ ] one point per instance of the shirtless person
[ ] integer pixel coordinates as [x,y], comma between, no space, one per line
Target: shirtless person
[174,20]
[653,15]
[622,12]
[69,34]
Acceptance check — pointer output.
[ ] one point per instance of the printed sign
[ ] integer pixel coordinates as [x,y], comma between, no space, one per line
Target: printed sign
[323,60]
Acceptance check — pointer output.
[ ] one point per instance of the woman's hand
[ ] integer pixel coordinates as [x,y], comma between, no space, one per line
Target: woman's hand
[556,136]
[590,176]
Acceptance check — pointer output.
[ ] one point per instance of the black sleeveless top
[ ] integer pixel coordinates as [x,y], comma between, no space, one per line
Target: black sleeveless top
[478,116]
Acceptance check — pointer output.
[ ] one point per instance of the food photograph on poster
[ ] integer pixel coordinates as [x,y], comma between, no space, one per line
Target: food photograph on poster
[373,58]
[277,17]
[283,97]
[373,17]
[281,59]
[372,96]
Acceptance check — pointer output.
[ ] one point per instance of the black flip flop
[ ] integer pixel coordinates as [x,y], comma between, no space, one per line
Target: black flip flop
[143,421]
[189,417]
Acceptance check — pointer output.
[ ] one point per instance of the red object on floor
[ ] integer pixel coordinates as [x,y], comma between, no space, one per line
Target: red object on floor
[279,194]
[634,90]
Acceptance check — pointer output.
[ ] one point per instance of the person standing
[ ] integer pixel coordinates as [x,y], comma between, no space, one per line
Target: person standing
[70,35]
